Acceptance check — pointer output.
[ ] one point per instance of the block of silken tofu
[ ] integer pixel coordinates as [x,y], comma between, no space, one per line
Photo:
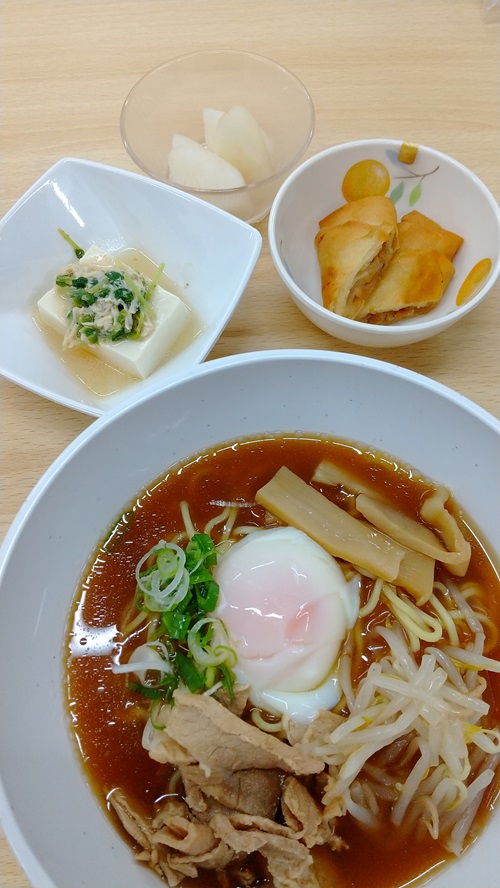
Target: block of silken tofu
[137,357]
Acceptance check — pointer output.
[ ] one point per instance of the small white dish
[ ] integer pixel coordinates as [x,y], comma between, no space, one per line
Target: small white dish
[434,184]
[208,255]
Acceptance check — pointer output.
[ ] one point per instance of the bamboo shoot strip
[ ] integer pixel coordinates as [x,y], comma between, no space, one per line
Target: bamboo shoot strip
[434,513]
[296,503]
[328,473]
[405,530]
[416,575]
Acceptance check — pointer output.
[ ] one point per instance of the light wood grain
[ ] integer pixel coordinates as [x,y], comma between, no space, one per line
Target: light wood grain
[424,71]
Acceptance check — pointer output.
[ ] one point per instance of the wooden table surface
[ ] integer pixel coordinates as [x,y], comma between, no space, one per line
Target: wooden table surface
[424,71]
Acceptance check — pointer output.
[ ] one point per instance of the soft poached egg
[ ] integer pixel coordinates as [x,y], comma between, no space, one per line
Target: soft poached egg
[287,608]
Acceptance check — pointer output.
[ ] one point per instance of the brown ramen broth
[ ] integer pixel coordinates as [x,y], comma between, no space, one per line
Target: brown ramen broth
[108,718]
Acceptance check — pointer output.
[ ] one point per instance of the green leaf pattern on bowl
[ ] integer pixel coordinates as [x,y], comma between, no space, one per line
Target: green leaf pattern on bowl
[415,192]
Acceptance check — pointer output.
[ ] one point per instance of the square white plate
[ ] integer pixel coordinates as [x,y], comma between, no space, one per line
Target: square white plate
[208,254]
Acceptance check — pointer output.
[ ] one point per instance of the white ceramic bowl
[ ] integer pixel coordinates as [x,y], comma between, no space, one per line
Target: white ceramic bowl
[49,813]
[435,185]
[171,98]
[209,256]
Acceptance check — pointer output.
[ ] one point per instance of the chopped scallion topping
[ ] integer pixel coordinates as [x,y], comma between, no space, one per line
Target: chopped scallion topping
[190,649]
[78,250]
[108,304]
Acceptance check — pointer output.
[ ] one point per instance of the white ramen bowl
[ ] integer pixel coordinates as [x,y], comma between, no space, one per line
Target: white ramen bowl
[50,815]
[436,185]
[208,255]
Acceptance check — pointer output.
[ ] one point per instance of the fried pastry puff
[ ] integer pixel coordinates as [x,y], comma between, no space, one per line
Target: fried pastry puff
[354,244]
[418,232]
[413,283]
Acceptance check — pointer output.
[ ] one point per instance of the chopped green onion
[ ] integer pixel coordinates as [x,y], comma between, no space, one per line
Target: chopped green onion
[205,653]
[64,280]
[124,309]
[193,679]
[80,282]
[188,647]
[139,296]
[207,595]
[78,250]
[200,550]
[150,693]
[166,563]
[176,624]
[154,281]
[161,594]
[228,679]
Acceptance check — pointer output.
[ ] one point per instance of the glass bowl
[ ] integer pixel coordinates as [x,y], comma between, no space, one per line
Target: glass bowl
[170,100]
